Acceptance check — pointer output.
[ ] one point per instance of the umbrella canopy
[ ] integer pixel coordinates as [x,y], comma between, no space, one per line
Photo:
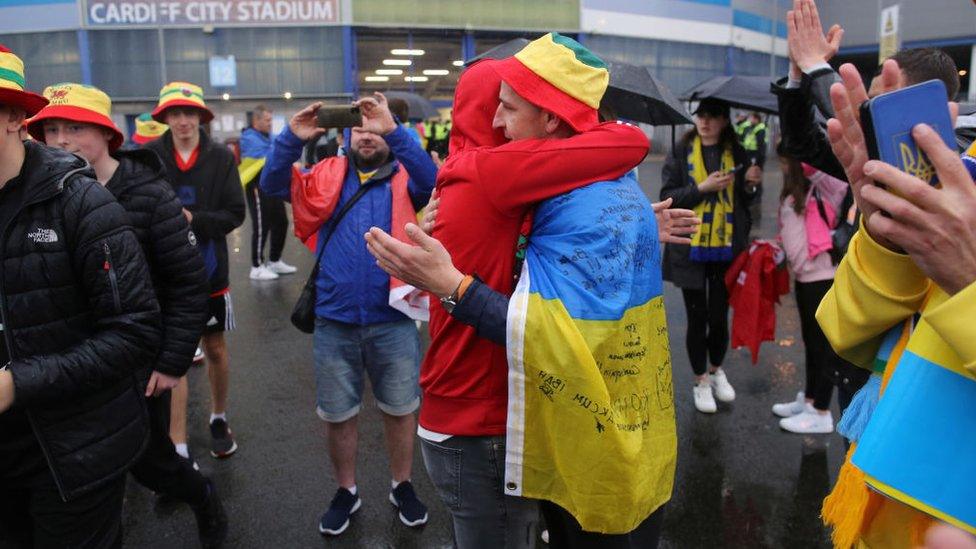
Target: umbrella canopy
[502,51]
[420,107]
[744,92]
[635,94]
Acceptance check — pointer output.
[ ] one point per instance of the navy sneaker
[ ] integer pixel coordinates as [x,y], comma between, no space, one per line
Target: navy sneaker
[336,519]
[412,511]
[222,444]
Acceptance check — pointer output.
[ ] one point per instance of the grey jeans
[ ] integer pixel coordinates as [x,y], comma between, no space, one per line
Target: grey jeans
[469,474]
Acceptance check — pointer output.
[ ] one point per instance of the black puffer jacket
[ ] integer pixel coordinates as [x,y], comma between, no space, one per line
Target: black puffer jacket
[175,265]
[211,190]
[677,267]
[81,317]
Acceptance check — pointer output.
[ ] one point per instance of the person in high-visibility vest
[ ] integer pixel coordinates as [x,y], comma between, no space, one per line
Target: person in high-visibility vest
[440,134]
[753,139]
[741,125]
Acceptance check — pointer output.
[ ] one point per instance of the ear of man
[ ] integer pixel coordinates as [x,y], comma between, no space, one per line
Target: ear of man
[556,127]
[14,118]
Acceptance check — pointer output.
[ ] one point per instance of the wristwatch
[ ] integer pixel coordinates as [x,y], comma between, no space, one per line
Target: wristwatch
[451,301]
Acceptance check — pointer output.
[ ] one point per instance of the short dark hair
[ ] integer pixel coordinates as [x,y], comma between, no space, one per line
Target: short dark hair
[260,111]
[922,64]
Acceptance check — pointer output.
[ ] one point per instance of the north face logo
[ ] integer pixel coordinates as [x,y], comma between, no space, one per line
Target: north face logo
[192,238]
[43,236]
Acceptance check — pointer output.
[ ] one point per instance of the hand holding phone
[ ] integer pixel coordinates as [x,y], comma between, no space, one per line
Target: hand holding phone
[716,181]
[887,121]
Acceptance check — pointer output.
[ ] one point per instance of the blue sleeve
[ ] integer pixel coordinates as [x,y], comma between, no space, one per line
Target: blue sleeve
[276,175]
[485,310]
[420,167]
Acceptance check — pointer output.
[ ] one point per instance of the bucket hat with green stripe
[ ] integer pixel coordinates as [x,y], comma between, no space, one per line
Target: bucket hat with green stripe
[181,94]
[559,75]
[12,84]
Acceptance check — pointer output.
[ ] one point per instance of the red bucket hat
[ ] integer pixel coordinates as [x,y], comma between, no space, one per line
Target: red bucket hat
[78,103]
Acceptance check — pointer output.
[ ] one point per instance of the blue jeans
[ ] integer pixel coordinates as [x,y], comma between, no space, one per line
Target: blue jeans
[469,474]
[389,353]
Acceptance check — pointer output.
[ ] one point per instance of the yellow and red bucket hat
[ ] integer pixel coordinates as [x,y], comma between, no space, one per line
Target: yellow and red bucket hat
[13,83]
[78,103]
[181,94]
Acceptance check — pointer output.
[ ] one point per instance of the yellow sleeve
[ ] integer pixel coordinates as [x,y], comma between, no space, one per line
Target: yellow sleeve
[952,320]
[873,290]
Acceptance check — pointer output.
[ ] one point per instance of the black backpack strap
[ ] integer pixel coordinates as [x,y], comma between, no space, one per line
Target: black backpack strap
[342,213]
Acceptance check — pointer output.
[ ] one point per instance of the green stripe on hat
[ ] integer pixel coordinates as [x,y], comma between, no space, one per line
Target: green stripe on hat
[582,54]
[13,76]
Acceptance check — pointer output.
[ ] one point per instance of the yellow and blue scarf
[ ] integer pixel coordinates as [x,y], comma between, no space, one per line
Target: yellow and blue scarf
[713,241]
[590,402]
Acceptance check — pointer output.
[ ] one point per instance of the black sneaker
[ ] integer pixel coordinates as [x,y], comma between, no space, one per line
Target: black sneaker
[211,519]
[336,519]
[412,511]
[222,443]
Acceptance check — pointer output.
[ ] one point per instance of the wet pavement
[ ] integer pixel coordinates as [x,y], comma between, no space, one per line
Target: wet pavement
[741,482]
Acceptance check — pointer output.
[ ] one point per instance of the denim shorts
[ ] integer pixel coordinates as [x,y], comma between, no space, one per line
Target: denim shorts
[389,353]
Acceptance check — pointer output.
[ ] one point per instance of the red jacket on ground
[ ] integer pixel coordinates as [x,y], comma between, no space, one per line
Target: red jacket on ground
[755,284]
[486,188]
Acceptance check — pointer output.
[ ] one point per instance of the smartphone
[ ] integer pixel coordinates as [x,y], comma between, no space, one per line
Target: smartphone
[339,116]
[733,170]
[887,121]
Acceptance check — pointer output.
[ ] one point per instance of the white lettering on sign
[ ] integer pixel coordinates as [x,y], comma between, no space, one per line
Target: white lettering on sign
[211,12]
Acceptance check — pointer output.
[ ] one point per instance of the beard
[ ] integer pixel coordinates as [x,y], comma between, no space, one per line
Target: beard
[371,161]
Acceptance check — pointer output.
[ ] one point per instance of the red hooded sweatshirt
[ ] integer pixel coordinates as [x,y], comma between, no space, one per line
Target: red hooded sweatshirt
[486,188]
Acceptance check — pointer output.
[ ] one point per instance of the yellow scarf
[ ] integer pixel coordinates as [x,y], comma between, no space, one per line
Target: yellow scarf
[713,241]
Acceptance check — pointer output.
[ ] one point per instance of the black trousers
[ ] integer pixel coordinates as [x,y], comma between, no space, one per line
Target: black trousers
[566,533]
[268,218]
[32,514]
[707,310]
[824,368]
[160,468]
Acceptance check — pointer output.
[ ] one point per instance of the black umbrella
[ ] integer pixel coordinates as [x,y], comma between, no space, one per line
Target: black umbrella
[502,51]
[635,94]
[420,107]
[744,92]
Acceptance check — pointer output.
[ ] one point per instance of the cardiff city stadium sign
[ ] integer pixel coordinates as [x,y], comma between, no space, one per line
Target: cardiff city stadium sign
[209,12]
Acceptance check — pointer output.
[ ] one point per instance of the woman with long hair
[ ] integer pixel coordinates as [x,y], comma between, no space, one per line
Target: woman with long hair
[707,172]
[810,203]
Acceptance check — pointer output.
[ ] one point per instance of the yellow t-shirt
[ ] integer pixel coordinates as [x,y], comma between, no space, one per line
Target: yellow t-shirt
[364,176]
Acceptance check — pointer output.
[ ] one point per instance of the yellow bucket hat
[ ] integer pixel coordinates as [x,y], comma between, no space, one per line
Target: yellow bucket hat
[12,83]
[148,129]
[78,103]
[558,74]
[181,94]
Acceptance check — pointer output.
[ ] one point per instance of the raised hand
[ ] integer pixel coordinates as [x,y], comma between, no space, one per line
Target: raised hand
[808,45]
[304,123]
[377,117]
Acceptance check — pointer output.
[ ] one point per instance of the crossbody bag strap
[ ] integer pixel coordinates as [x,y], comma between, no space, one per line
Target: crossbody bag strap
[342,213]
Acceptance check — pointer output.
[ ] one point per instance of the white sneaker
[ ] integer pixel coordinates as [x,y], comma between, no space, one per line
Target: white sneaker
[809,422]
[704,401]
[723,390]
[280,267]
[790,409]
[262,273]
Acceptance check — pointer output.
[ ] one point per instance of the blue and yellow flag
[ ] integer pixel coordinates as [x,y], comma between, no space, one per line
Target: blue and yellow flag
[249,168]
[591,415]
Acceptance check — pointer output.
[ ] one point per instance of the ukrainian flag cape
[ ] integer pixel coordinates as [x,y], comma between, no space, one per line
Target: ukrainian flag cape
[249,168]
[590,404]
